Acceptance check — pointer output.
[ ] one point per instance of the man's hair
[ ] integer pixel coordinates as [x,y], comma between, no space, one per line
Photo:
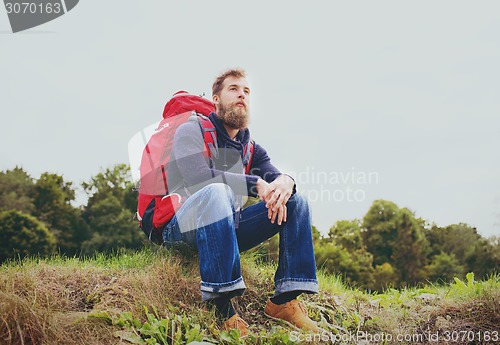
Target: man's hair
[236,72]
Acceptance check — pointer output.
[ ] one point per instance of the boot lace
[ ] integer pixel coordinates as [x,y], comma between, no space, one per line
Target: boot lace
[301,307]
[238,321]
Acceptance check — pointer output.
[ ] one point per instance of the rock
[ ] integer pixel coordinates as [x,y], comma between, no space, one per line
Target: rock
[442,323]
[427,296]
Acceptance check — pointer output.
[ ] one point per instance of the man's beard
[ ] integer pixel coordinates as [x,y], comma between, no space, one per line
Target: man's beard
[233,116]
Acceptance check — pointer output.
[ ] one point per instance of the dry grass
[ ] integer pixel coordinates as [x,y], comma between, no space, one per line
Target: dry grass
[49,302]
[467,314]
[31,295]
[55,301]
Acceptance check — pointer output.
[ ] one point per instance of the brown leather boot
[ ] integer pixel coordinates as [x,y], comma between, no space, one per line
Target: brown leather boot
[293,313]
[236,322]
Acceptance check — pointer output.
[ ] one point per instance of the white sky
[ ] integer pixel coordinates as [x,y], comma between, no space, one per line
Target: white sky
[409,92]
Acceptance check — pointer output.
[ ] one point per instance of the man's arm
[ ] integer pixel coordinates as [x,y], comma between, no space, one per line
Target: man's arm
[262,166]
[266,180]
[275,188]
[194,167]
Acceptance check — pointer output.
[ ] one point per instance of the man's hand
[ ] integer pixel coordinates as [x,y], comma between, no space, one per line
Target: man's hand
[282,188]
[276,195]
[263,189]
[281,214]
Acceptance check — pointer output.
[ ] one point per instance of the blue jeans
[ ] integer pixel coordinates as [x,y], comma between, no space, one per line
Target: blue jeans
[206,222]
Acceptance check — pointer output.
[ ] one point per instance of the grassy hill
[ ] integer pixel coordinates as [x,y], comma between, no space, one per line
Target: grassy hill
[153,296]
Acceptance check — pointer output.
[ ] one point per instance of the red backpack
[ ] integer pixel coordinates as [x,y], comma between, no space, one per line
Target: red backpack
[156,156]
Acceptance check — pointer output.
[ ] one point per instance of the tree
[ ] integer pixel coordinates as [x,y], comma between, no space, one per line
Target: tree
[117,182]
[343,252]
[410,248]
[457,239]
[316,235]
[444,267]
[52,199]
[354,267]
[16,190]
[396,237]
[22,235]
[485,259]
[347,233]
[474,253]
[384,276]
[380,229]
[109,211]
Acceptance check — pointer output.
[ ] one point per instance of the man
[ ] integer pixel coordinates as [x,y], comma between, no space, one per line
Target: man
[211,220]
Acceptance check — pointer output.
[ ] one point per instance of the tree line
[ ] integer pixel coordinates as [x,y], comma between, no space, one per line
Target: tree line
[388,247]
[391,247]
[37,216]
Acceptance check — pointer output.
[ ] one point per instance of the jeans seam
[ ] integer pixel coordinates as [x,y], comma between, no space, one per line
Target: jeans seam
[285,247]
[254,216]
[300,280]
[222,285]
[216,256]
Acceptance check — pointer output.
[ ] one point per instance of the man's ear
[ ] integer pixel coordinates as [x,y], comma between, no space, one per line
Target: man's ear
[215,99]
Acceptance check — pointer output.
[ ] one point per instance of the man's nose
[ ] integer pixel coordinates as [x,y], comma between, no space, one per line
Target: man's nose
[242,94]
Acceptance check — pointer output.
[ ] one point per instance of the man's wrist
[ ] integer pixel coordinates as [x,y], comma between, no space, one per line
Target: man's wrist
[293,185]
[290,177]
[259,186]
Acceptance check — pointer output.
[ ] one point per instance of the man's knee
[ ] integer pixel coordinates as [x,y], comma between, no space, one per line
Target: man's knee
[218,192]
[208,206]
[298,203]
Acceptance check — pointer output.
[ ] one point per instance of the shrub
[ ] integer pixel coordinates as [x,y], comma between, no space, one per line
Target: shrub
[22,235]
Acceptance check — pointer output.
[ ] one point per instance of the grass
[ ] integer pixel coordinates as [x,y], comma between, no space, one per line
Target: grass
[152,297]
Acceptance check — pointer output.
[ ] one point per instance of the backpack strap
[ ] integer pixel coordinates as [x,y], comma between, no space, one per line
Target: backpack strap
[209,135]
[210,138]
[248,155]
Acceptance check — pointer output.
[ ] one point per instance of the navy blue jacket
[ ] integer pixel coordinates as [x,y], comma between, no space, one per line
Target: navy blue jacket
[191,170]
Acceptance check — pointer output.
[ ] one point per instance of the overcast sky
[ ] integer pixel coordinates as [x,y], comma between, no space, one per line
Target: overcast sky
[360,100]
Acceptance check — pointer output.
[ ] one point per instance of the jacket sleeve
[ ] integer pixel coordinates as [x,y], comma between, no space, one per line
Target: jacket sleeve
[262,166]
[195,167]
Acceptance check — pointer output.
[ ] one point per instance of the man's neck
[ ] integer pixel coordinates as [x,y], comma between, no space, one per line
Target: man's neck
[231,132]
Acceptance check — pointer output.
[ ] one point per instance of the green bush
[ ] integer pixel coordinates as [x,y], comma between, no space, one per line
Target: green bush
[22,235]
[385,277]
[444,268]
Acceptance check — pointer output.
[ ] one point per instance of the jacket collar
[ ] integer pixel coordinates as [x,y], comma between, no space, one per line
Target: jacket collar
[242,137]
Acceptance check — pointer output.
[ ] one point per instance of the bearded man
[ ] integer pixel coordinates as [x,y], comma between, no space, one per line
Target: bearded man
[211,219]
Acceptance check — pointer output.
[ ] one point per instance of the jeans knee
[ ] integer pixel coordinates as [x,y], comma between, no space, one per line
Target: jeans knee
[219,191]
[298,203]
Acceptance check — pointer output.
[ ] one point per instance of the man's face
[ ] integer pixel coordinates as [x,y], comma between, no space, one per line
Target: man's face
[233,102]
